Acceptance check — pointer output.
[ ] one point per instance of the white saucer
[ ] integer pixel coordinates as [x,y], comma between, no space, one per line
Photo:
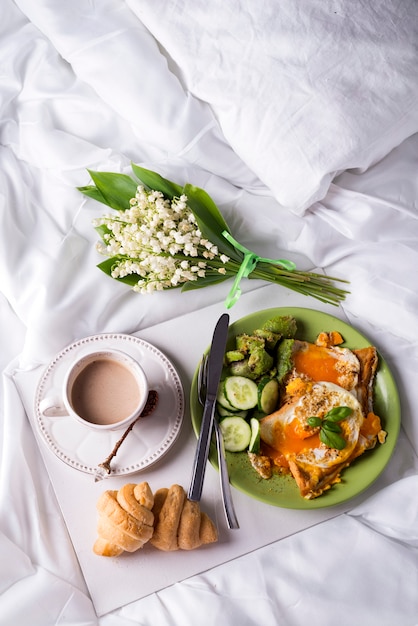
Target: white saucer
[83,448]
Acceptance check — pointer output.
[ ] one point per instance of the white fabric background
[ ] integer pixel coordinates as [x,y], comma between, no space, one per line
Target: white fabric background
[96,85]
[290,62]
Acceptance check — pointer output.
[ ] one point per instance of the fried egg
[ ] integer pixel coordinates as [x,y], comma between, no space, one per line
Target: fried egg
[314,465]
[321,363]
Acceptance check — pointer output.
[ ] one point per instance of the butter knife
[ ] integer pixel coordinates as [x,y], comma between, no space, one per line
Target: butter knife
[214,370]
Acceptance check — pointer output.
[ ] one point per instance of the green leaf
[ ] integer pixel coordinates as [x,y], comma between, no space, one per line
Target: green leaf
[103,230]
[210,220]
[115,190]
[92,192]
[338,413]
[107,267]
[332,440]
[331,426]
[314,421]
[207,281]
[152,180]
[204,203]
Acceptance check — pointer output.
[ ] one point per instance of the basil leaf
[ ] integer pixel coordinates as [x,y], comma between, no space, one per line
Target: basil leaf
[314,421]
[115,190]
[332,440]
[338,413]
[331,426]
[152,180]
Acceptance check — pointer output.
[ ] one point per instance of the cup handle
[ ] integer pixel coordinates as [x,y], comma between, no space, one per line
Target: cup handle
[52,407]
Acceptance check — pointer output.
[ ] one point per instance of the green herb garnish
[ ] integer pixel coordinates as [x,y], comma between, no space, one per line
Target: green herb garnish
[330,430]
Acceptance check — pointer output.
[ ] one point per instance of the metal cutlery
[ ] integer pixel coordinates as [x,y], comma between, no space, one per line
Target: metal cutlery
[223,467]
[213,377]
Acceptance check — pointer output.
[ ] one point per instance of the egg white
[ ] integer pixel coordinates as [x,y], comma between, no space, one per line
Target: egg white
[342,361]
[321,398]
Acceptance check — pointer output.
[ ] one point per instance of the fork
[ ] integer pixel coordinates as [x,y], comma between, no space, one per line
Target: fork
[223,467]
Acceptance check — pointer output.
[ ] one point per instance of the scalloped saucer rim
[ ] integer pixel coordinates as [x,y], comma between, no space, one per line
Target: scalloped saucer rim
[88,439]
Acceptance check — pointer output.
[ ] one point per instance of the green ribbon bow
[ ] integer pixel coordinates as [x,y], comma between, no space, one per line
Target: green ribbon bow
[248,264]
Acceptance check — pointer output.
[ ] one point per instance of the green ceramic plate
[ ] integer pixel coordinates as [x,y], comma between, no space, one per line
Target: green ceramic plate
[282,491]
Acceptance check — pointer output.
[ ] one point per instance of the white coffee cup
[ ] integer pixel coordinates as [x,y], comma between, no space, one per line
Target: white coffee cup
[104,390]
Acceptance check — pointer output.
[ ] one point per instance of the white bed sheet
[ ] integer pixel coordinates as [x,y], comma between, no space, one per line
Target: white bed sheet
[96,85]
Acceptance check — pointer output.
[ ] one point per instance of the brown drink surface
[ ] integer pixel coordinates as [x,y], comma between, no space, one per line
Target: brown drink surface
[105,392]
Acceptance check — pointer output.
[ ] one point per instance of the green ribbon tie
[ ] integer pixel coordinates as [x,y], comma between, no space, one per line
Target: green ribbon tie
[248,264]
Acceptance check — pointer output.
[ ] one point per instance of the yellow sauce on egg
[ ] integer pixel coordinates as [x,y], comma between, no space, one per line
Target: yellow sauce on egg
[371,425]
[317,363]
[290,439]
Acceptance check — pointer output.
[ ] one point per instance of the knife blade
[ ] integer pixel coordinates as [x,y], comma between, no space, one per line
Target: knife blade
[214,371]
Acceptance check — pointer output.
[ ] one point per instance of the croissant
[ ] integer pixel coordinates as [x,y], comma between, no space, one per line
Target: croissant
[125,519]
[133,515]
[179,524]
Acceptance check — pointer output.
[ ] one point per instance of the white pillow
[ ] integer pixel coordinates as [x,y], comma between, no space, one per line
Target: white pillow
[302,90]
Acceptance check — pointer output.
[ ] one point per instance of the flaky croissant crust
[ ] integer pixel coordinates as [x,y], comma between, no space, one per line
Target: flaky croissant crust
[133,515]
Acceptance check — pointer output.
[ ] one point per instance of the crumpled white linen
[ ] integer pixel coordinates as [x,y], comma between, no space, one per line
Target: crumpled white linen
[344,581]
[62,112]
[104,39]
[317,88]
[40,580]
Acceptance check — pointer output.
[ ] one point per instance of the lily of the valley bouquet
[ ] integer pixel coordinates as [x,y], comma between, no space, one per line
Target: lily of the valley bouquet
[162,235]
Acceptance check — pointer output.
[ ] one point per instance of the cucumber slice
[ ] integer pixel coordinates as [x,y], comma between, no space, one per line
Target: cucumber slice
[224,412]
[258,414]
[241,392]
[222,400]
[268,395]
[254,445]
[236,433]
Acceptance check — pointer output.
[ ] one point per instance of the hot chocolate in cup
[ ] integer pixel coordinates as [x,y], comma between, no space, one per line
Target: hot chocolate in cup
[104,390]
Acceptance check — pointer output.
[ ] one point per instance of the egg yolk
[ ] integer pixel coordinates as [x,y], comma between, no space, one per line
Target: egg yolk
[371,426]
[318,363]
[290,439]
[276,456]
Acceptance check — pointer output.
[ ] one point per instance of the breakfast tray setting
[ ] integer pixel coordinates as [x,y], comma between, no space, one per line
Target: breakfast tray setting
[175,348]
